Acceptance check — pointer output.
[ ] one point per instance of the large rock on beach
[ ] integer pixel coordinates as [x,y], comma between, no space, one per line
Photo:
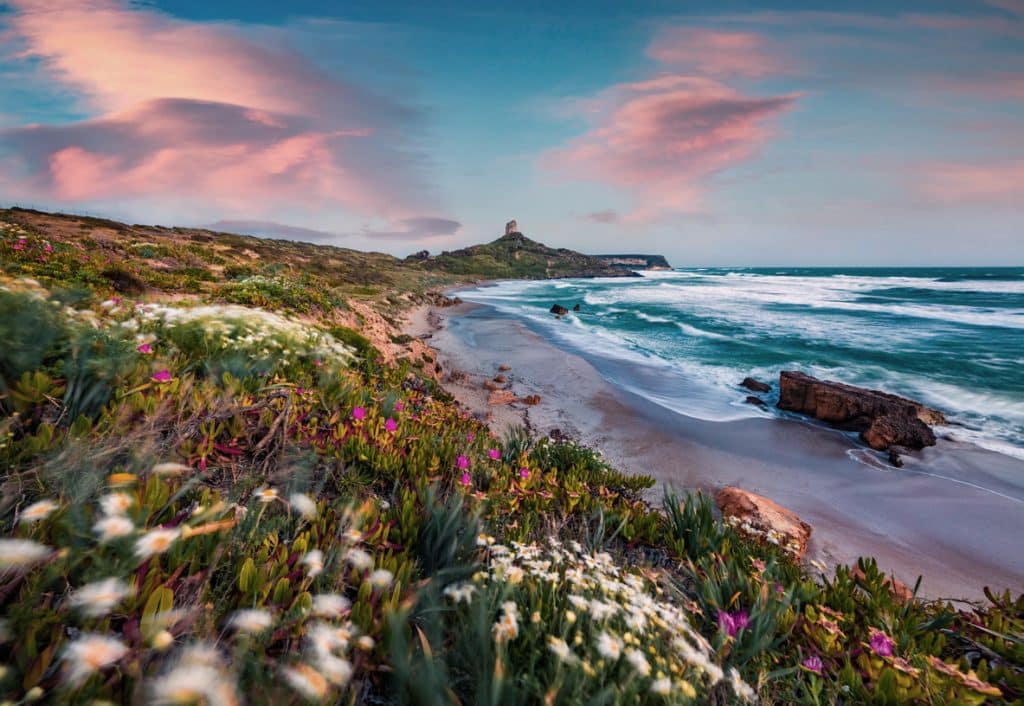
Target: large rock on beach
[559,310]
[763,519]
[501,397]
[882,419]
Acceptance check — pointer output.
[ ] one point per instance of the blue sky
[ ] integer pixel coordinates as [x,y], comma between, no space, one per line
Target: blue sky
[715,133]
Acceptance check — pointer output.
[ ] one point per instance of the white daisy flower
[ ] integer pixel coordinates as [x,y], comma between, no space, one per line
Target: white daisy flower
[116,503]
[21,552]
[171,469]
[381,578]
[252,620]
[662,686]
[303,504]
[113,526]
[639,662]
[90,653]
[609,647]
[99,598]
[307,681]
[360,560]
[314,563]
[156,541]
[38,511]
[330,605]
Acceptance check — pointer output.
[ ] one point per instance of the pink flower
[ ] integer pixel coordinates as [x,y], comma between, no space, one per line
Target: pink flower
[494,454]
[318,362]
[524,473]
[812,664]
[48,248]
[358,413]
[462,463]
[881,644]
[732,623]
[20,245]
[162,376]
[145,348]
[399,406]
[391,424]
[466,480]
[470,437]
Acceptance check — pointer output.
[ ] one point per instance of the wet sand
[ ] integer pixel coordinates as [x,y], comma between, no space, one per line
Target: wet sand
[953,514]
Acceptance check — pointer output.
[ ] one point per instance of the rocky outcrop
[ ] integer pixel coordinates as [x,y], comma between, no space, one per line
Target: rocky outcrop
[500,397]
[755,400]
[511,227]
[755,385]
[558,310]
[882,419]
[764,520]
[635,262]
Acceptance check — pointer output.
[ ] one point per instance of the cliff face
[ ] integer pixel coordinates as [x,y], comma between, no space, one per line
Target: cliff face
[635,262]
[514,256]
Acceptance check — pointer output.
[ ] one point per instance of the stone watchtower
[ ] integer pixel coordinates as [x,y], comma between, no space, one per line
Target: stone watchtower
[511,227]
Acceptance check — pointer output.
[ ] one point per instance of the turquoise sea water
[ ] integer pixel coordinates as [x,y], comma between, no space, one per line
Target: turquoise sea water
[953,338]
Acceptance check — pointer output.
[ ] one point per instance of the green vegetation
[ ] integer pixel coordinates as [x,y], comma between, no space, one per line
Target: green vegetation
[209,503]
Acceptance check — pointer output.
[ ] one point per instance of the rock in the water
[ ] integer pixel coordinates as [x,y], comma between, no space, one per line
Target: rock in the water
[500,379]
[504,367]
[755,385]
[491,385]
[896,456]
[882,419]
[559,310]
[530,399]
[763,519]
[576,308]
[500,397]
[752,399]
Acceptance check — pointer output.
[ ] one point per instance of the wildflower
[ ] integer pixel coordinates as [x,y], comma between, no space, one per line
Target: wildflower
[494,454]
[21,552]
[740,687]
[732,623]
[20,245]
[144,348]
[330,605]
[399,406]
[470,437]
[639,662]
[90,653]
[381,578]
[358,413]
[365,643]
[196,679]
[113,526]
[662,686]
[524,473]
[162,640]
[459,592]
[99,598]
[462,463]
[38,511]
[609,647]
[391,425]
[116,503]
[337,669]
[307,681]
[303,504]
[314,563]
[251,620]
[360,560]
[267,495]
[318,362]
[560,649]
[170,469]
[155,541]
[162,376]
[812,663]
[880,643]
[507,626]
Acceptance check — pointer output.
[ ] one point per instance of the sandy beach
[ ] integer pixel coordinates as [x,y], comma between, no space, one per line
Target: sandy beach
[953,514]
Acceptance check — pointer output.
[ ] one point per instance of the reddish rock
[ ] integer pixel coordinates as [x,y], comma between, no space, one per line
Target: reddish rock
[499,397]
[765,520]
[530,399]
[882,419]
[755,385]
[491,385]
[504,368]
[500,379]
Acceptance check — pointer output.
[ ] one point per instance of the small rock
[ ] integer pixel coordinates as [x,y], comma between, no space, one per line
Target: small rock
[558,310]
[491,385]
[500,397]
[766,518]
[896,456]
[500,379]
[751,399]
[576,308]
[530,400]
[755,385]
[504,367]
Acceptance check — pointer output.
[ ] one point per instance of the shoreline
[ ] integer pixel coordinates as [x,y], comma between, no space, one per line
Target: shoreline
[950,515]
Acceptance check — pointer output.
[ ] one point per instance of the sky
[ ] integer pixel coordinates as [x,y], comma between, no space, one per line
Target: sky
[716,133]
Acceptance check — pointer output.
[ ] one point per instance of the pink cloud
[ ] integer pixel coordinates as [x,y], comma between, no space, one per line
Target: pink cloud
[972,183]
[200,110]
[663,138]
[716,52]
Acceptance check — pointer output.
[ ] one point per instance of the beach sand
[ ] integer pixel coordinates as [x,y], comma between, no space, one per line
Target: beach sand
[953,514]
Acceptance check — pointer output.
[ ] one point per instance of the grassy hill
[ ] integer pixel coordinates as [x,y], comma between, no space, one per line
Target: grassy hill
[514,256]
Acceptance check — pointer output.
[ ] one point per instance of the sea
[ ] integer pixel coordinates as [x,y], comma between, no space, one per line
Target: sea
[952,338]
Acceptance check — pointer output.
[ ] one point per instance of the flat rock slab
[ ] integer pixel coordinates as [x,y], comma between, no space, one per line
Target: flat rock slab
[764,519]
